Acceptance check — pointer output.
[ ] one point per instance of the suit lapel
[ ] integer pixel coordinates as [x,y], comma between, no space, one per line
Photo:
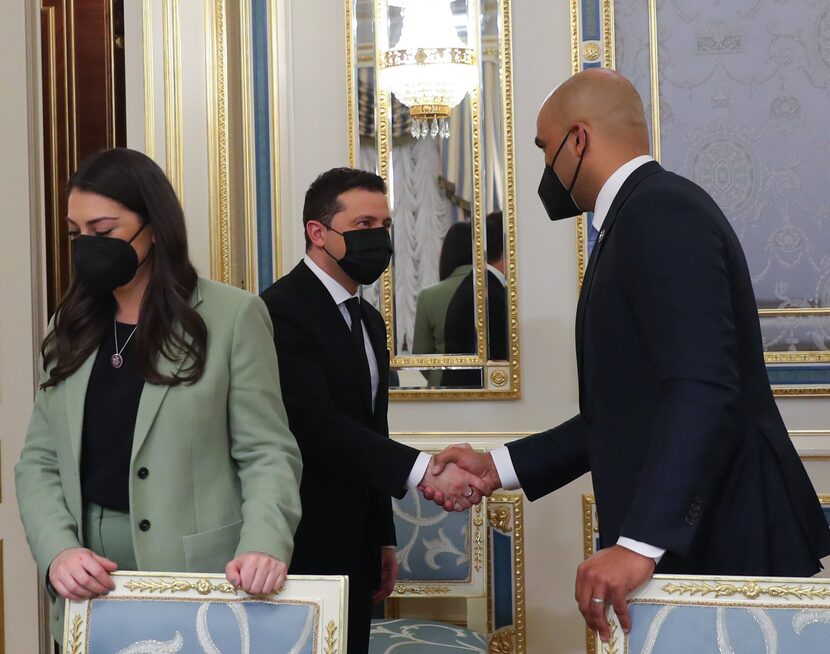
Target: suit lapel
[76,386]
[329,315]
[646,170]
[377,336]
[153,395]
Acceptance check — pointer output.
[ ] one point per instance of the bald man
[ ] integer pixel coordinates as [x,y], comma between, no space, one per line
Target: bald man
[692,466]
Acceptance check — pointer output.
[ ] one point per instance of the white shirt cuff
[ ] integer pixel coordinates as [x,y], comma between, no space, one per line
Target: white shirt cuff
[504,466]
[418,471]
[643,549]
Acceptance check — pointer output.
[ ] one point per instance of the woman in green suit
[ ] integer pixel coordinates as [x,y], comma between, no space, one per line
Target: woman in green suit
[158,440]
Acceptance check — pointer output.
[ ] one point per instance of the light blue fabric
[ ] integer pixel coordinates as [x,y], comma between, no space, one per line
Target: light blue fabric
[433,545]
[189,626]
[423,637]
[671,629]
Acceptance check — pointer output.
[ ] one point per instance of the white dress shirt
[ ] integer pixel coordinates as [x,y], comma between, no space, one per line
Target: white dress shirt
[501,455]
[340,295]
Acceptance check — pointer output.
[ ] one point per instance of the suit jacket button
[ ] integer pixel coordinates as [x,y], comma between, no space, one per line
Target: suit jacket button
[142,473]
[144,525]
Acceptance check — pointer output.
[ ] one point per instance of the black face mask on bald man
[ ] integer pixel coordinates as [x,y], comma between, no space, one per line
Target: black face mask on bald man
[556,197]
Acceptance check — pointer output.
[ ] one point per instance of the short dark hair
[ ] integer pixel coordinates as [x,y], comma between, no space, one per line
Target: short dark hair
[495,236]
[321,197]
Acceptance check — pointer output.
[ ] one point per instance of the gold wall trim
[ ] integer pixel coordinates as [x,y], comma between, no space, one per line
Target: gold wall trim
[52,112]
[797,357]
[71,94]
[218,154]
[249,205]
[510,201]
[384,157]
[787,312]
[351,94]
[149,83]
[274,122]
[656,149]
[609,47]
[173,96]
[513,525]
[479,254]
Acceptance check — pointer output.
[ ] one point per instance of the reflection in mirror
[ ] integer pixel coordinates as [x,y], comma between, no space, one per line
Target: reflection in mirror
[440,191]
[459,325]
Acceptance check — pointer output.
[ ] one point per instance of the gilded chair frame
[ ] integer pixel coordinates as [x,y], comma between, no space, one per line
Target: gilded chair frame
[501,379]
[592,44]
[590,533]
[499,517]
[327,594]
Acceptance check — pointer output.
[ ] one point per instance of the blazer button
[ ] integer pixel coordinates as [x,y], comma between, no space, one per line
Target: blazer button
[142,473]
[144,525]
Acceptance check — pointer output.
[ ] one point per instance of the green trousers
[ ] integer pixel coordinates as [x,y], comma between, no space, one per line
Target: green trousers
[108,533]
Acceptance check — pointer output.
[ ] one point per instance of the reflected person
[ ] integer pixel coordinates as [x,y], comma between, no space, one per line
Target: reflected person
[158,440]
[692,466]
[455,263]
[334,367]
[460,330]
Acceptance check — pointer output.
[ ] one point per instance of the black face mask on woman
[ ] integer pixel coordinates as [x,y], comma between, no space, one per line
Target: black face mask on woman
[368,252]
[103,263]
[556,197]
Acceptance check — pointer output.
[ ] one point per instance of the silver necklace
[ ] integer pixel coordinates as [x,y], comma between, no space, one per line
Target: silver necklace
[116,359]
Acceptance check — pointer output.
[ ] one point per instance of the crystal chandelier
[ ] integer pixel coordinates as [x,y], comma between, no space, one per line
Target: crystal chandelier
[429,69]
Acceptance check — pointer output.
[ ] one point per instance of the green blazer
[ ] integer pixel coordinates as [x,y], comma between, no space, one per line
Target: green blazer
[430,314]
[224,469]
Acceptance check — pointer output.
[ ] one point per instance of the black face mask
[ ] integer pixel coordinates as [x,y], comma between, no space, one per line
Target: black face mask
[368,252]
[104,263]
[557,198]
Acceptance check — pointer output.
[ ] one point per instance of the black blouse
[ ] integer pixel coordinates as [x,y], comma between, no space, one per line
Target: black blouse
[110,409]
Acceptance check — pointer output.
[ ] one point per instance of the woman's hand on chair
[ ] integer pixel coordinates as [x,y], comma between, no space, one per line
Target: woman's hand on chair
[257,573]
[78,574]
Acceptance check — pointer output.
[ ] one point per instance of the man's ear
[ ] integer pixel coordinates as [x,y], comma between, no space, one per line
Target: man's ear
[315,231]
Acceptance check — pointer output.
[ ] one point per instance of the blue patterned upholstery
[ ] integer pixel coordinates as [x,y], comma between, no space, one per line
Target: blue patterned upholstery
[669,629]
[433,545]
[420,637]
[475,557]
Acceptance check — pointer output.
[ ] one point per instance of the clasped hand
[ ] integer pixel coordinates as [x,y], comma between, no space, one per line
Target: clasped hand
[459,477]
[79,573]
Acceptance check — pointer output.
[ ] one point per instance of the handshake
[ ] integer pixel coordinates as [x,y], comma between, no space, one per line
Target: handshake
[459,477]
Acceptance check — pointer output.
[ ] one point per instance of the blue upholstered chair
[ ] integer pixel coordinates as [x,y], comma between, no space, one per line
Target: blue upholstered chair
[165,613]
[461,579]
[719,615]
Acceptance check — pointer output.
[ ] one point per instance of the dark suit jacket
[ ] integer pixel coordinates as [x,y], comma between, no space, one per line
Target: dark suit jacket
[677,421]
[460,331]
[351,467]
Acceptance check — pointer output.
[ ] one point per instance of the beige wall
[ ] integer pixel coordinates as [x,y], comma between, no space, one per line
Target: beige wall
[313,138]
[17,271]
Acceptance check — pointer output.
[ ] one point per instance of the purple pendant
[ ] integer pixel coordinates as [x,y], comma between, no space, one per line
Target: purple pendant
[116,360]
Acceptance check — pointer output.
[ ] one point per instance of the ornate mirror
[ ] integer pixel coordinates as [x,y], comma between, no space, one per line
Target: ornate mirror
[449,297]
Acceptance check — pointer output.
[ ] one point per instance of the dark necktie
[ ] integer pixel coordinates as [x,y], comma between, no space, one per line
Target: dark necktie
[353,307]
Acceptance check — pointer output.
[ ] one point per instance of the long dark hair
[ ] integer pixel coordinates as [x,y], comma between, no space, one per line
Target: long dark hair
[457,249]
[169,325]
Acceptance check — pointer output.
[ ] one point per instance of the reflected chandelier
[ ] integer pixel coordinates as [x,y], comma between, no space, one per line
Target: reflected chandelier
[429,69]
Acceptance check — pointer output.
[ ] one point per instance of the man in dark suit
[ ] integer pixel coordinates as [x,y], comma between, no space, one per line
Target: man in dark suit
[460,325]
[334,372]
[693,469]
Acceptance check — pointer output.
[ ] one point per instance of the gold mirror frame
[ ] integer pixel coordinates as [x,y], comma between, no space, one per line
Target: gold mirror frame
[500,379]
